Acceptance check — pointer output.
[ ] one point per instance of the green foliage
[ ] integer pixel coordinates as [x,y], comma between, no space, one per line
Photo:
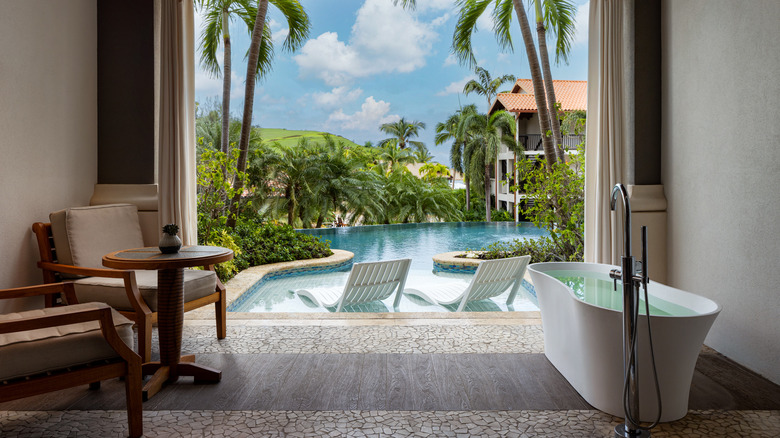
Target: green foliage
[253,241]
[287,137]
[558,207]
[477,211]
[272,242]
[171,229]
[559,202]
[215,173]
[226,270]
[540,250]
[501,216]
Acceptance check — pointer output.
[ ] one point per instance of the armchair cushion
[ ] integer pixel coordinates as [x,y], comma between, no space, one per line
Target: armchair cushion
[197,284]
[83,235]
[47,349]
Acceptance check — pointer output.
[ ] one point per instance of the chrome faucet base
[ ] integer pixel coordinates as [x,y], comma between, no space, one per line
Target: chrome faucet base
[622,432]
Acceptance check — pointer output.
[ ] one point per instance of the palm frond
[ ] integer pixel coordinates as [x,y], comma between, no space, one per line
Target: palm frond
[297,22]
[502,22]
[470,11]
[559,19]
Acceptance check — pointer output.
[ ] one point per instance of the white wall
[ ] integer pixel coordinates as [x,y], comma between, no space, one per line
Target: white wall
[48,123]
[721,168]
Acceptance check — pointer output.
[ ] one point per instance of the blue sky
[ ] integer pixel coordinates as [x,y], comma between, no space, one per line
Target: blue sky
[368,62]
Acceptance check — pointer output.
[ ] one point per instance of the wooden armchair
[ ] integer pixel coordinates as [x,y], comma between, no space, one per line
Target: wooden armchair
[71,249]
[56,348]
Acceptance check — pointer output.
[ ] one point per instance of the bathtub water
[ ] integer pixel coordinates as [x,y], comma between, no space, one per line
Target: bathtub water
[583,336]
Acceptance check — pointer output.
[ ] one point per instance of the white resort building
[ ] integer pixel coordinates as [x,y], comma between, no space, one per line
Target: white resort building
[572,95]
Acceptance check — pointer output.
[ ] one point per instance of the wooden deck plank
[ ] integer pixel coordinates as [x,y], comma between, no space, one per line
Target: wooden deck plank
[480,388]
[372,394]
[399,381]
[449,382]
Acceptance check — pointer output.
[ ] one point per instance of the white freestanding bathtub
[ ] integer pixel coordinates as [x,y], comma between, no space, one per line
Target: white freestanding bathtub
[585,341]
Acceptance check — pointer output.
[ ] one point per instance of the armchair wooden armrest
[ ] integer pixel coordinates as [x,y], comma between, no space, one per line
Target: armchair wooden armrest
[127,365]
[131,286]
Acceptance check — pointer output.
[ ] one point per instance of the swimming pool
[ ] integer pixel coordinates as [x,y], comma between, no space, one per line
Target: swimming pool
[420,242]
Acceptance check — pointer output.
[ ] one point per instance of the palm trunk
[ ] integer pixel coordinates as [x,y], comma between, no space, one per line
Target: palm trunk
[249,99]
[487,192]
[536,79]
[467,181]
[291,206]
[544,57]
[226,73]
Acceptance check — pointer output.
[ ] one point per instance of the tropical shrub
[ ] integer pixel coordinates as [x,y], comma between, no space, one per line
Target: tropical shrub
[540,250]
[501,216]
[253,241]
[215,173]
[558,203]
[558,207]
[272,242]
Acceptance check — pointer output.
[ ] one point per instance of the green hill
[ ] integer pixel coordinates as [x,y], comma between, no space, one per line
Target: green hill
[288,137]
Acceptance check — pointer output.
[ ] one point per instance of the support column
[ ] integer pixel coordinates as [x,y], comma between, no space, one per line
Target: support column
[648,207]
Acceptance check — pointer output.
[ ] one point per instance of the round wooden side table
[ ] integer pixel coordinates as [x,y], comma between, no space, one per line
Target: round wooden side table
[170,308]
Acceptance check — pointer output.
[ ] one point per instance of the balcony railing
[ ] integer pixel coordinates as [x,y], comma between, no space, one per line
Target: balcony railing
[533,142]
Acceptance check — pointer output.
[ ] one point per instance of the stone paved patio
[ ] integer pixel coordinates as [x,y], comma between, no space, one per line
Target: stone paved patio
[432,338]
[423,336]
[104,424]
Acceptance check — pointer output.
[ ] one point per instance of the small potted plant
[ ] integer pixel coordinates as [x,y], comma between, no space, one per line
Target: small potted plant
[170,242]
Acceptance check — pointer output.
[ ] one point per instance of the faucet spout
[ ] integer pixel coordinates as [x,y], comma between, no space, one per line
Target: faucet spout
[620,189]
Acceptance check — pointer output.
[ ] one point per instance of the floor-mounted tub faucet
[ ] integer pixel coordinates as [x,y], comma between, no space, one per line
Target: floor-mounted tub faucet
[631,282]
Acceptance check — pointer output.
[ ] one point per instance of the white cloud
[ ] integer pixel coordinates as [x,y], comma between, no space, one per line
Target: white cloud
[485,22]
[438,21]
[384,38]
[278,31]
[454,87]
[206,85]
[451,60]
[581,22]
[372,114]
[435,5]
[336,97]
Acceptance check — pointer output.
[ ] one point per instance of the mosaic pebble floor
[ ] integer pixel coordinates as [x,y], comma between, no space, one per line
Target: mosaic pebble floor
[395,337]
[365,339]
[104,424]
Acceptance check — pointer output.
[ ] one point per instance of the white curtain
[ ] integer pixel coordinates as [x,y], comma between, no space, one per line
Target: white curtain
[176,121]
[604,140]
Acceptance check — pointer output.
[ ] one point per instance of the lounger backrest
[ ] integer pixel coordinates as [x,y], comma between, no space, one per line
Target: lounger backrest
[493,277]
[372,281]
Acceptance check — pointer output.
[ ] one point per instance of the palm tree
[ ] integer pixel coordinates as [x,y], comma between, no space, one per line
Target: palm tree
[422,155]
[470,11]
[485,135]
[485,85]
[344,185]
[402,131]
[559,16]
[259,59]
[296,171]
[392,157]
[448,130]
[216,28]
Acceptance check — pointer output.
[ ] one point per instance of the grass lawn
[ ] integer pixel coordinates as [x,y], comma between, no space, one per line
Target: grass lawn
[291,138]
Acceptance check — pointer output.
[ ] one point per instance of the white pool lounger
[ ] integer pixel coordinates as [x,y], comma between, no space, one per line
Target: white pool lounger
[368,281]
[492,278]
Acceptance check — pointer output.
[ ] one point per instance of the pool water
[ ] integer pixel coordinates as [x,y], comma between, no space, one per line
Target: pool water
[599,289]
[420,242]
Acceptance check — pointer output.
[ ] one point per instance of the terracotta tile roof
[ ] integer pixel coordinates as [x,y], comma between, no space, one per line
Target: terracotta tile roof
[571,94]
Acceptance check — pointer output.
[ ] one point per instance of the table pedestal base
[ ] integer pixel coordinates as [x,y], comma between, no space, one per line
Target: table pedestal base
[164,374]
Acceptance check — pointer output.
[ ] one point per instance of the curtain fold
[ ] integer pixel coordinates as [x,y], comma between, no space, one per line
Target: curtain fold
[604,129]
[176,121]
